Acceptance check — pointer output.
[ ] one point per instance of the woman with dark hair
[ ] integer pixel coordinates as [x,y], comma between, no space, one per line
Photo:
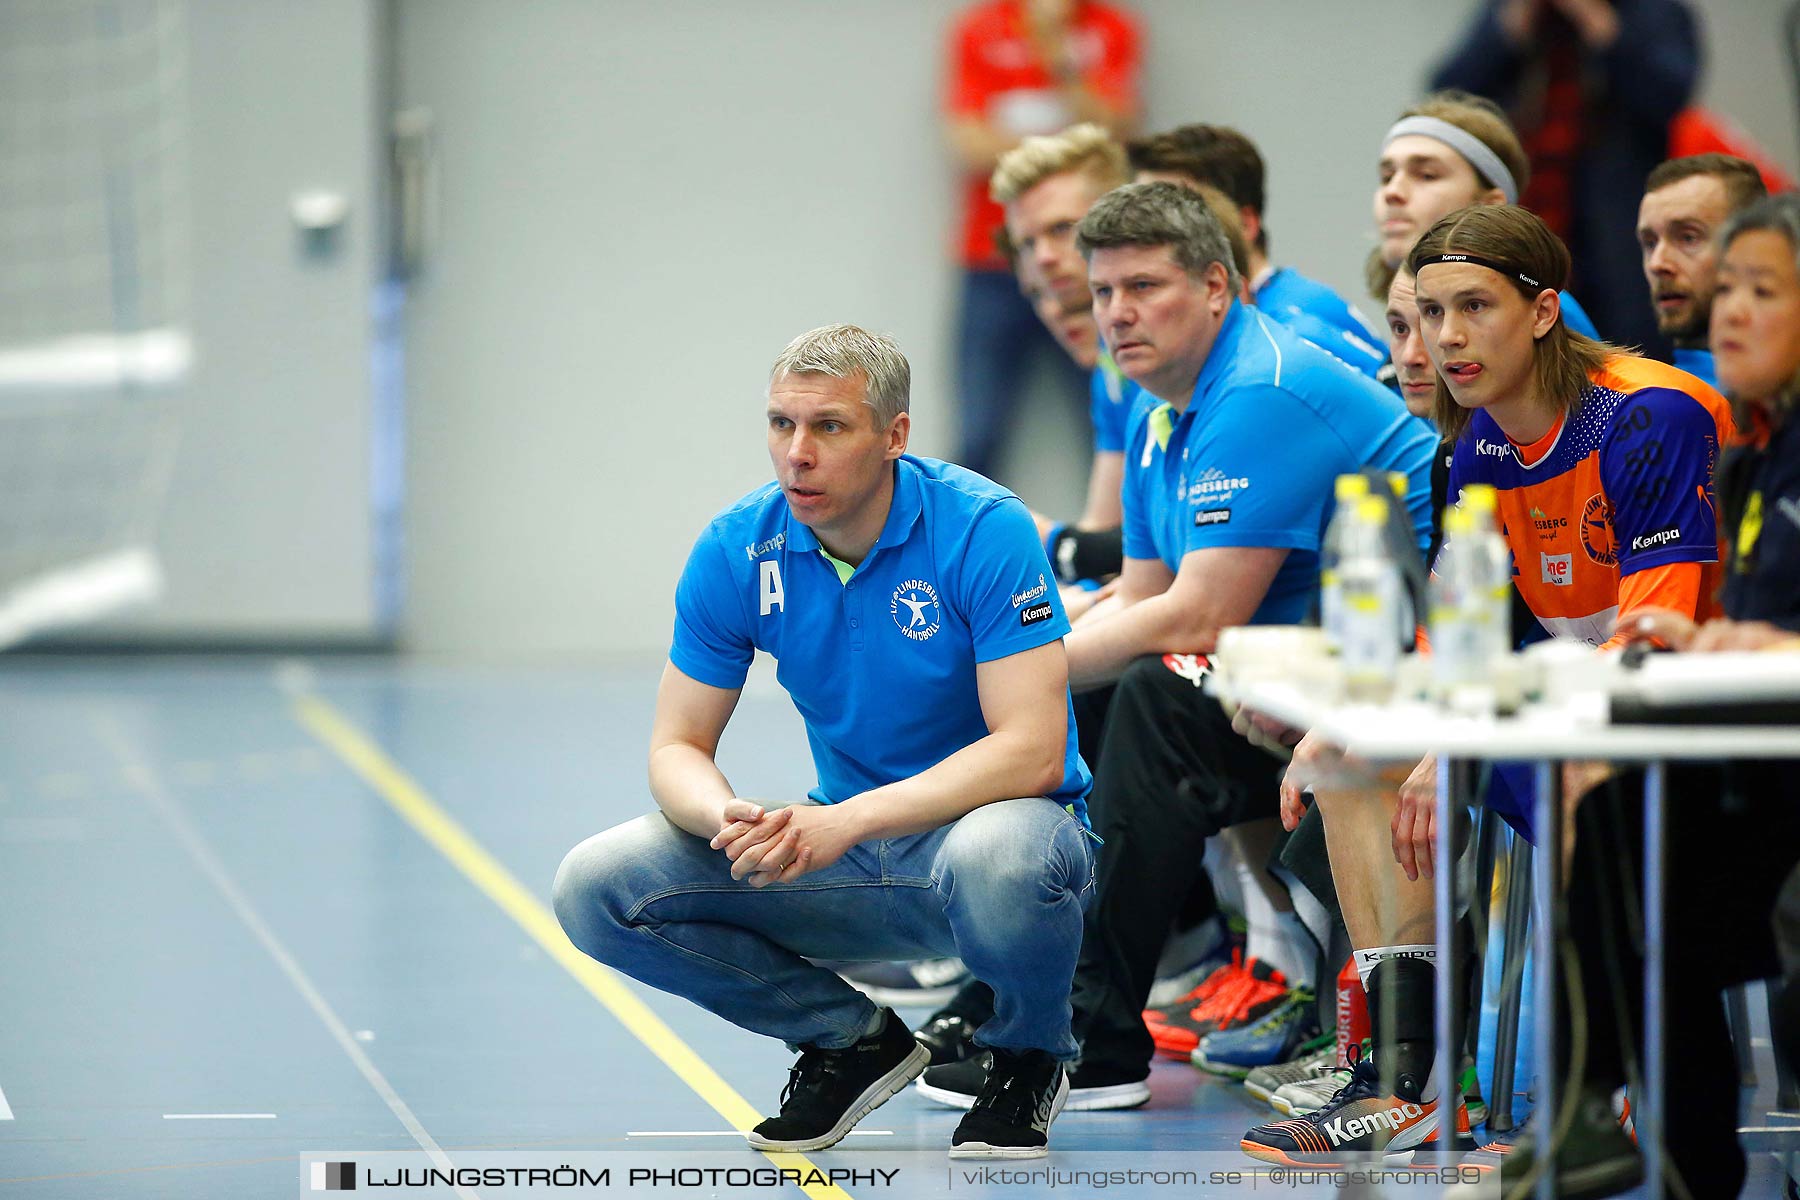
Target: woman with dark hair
[1756,345]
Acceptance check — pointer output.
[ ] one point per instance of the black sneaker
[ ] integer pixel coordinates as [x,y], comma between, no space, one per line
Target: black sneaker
[1091,1088]
[1095,1086]
[949,1038]
[829,1091]
[955,1085]
[1011,1118]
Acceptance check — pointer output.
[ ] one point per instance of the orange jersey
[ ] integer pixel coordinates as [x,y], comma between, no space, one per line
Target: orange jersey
[1623,484]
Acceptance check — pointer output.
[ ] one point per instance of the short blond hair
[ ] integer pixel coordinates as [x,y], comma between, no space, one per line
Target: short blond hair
[1086,148]
[846,352]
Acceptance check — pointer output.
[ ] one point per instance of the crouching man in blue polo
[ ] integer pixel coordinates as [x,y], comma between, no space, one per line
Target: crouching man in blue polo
[915,623]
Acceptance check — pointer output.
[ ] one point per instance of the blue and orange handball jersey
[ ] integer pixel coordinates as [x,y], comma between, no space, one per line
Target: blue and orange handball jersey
[1625,485]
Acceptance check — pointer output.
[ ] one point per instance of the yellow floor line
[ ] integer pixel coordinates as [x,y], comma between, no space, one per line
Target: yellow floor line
[408,799]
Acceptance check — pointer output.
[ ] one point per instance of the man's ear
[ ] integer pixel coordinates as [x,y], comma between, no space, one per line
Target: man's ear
[898,433]
[1251,221]
[1218,287]
[1547,308]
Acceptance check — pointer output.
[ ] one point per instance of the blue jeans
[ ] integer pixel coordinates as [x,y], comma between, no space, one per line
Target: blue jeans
[1003,889]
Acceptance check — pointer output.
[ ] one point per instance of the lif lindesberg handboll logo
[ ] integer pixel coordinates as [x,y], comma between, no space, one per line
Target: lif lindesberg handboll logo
[915,609]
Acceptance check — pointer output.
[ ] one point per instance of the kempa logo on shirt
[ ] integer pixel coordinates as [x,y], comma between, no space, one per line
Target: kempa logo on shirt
[1036,613]
[915,609]
[1661,537]
[1029,594]
[1212,516]
[1559,569]
[1393,1120]
[1485,448]
[756,550]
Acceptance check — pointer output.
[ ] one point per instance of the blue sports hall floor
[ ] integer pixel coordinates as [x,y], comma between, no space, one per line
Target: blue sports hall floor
[256,909]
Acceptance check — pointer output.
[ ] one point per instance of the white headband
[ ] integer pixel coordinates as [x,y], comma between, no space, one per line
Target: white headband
[1464,143]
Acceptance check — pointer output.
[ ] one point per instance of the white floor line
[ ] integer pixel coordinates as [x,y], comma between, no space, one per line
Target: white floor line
[5,1111]
[736,1133]
[145,779]
[218,1116]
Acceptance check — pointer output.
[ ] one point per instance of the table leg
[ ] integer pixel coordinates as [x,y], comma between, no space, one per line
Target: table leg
[1449,796]
[1515,933]
[1647,1109]
[1546,872]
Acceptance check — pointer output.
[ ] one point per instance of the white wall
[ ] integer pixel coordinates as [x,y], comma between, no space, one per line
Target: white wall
[642,202]
[267,533]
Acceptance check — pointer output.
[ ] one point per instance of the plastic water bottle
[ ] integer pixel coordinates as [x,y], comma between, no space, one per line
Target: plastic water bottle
[1350,489]
[1406,620]
[1369,600]
[1483,501]
[1470,622]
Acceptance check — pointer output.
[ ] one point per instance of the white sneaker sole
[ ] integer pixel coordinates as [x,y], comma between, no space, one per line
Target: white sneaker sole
[1261,1093]
[1267,1094]
[1288,1108]
[1224,1070]
[1094,1099]
[1102,1099]
[944,1096]
[878,1093]
[983,1150]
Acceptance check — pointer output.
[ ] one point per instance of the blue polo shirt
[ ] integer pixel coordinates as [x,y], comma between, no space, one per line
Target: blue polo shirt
[1698,363]
[1576,317]
[1322,317]
[882,665]
[1254,458]
[1111,398]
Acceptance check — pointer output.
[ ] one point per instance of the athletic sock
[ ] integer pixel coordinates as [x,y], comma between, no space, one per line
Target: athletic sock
[877,1023]
[1314,916]
[1274,935]
[1220,870]
[1283,942]
[1366,960]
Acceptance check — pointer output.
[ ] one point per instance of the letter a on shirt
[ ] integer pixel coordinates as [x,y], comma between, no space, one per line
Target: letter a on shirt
[772,597]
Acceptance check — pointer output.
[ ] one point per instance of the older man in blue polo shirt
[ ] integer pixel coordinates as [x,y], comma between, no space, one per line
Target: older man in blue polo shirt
[915,622]
[1228,487]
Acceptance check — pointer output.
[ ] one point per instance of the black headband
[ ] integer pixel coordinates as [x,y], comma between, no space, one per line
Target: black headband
[1476,260]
